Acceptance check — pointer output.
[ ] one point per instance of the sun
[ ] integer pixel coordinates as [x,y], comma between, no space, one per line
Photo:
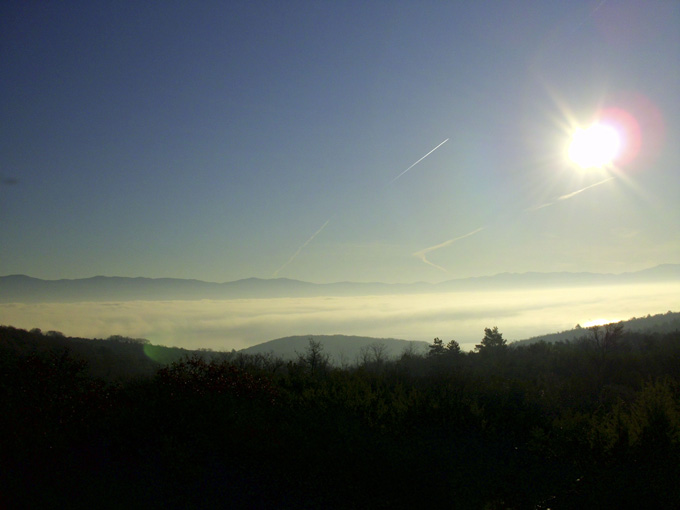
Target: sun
[595,147]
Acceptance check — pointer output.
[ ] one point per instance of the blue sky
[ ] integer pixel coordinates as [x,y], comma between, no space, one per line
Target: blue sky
[224,140]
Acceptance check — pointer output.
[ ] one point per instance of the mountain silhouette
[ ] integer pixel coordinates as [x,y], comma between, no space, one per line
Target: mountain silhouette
[25,289]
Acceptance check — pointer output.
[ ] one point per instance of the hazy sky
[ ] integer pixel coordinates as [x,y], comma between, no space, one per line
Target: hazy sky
[223,140]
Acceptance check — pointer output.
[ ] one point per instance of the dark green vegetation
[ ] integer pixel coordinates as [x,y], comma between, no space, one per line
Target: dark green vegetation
[588,424]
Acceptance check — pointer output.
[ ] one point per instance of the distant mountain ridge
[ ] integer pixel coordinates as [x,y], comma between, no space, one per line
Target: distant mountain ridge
[25,289]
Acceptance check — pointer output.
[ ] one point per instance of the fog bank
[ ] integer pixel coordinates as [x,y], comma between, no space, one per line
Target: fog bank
[238,323]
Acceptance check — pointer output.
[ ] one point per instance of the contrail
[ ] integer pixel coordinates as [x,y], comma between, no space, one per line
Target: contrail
[422,254]
[276,273]
[414,164]
[537,207]
[568,195]
[573,193]
[590,14]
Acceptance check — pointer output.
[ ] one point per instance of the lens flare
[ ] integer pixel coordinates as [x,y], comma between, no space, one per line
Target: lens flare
[629,133]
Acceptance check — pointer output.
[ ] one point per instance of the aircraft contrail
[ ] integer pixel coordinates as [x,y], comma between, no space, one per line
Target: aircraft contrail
[422,254]
[414,164]
[568,195]
[590,14]
[573,193]
[299,250]
[276,273]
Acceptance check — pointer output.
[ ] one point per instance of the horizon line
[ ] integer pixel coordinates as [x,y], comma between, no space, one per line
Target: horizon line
[336,282]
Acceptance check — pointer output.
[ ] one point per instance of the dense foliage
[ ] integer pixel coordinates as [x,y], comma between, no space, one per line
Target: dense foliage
[587,424]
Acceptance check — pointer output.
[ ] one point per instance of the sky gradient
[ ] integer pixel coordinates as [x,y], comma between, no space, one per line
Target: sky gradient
[225,140]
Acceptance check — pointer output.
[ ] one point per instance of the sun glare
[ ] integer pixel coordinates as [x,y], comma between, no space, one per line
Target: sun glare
[599,322]
[594,147]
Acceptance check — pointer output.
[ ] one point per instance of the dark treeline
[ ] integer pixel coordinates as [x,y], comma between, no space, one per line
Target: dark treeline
[593,423]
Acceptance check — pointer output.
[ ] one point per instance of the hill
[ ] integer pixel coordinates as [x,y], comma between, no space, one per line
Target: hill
[660,323]
[341,349]
[115,358]
[121,358]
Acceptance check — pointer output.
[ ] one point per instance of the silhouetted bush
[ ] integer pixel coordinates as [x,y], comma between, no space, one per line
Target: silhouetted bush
[536,426]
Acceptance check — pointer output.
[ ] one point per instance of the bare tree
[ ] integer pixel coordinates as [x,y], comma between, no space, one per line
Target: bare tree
[373,356]
[606,338]
[314,358]
[378,353]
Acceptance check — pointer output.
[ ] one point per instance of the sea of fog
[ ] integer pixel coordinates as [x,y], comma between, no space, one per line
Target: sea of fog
[238,323]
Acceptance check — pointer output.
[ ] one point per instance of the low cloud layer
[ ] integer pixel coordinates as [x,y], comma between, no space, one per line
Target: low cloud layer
[239,323]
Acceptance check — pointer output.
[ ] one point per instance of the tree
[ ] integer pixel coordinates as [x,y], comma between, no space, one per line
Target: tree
[127,340]
[606,337]
[436,348]
[378,352]
[410,352]
[493,341]
[453,347]
[314,359]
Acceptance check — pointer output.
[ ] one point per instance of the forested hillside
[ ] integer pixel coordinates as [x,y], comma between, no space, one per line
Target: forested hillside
[588,424]
[659,323]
